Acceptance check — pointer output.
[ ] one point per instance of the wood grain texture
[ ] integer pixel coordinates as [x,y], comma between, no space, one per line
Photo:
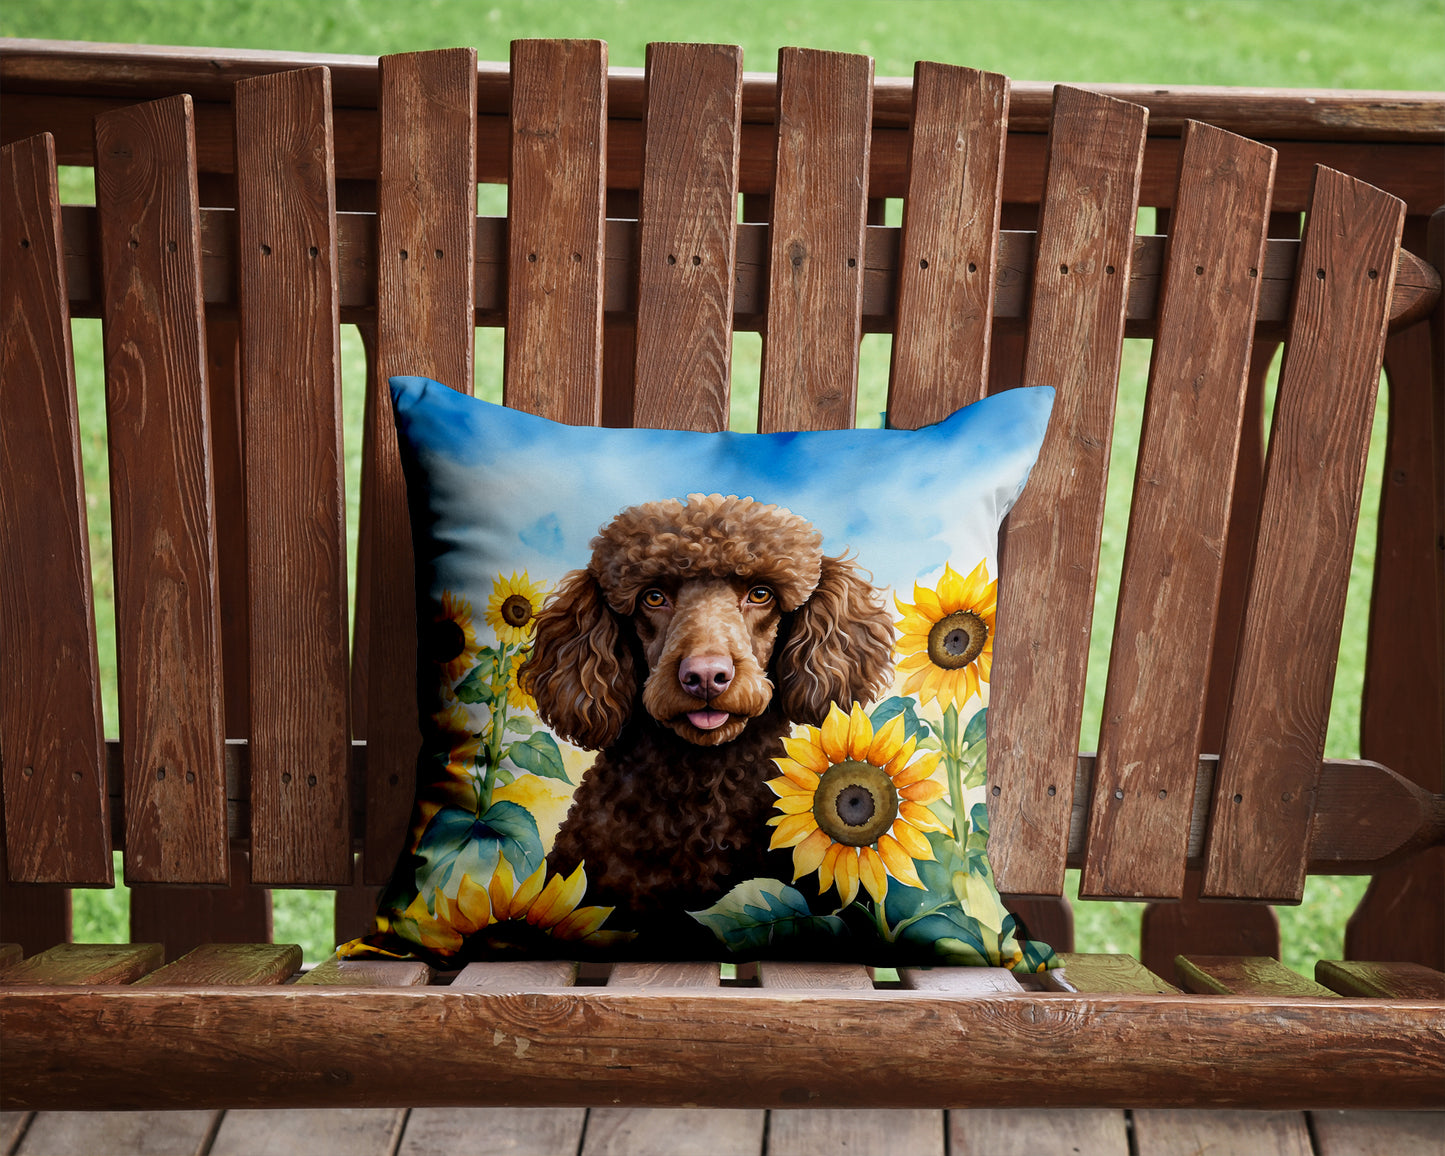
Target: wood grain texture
[295,499]
[1154,700]
[959,980]
[555,206]
[479,1131]
[1050,549]
[816,258]
[57,823]
[1096,972]
[183,918]
[1166,1133]
[228,963]
[119,1133]
[1341,1133]
[1275,732]
[1402,914]
[69,964]
[687,236]
[916,1131]
[517,975]
[167,617]
[667,975]
[1382,980]
[425,223]
[1243,975]
[333,1132]
[1029,1131]
[1191,925]
[34,915]
[674,1132]
[947,267]
[787,974]
[294,1046]
[336,972]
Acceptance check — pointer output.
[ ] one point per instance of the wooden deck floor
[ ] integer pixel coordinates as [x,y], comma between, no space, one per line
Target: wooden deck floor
[707,1132]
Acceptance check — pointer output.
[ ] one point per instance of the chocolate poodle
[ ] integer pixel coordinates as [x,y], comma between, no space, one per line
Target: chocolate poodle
[698,634]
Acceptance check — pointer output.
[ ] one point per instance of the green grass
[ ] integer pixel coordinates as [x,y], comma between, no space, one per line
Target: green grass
[1304,43]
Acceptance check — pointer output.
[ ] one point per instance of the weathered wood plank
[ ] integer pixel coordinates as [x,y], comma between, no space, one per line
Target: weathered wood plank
[1165,1133]
[795,976]
[228,963]
[168,629]
[183,918]
[317,1132]
[518,975]
[1275,732]
[959,980]
[1050,548]
[687,236]
[336,972]
[1154,701]
[1342,1133]
[816,260]
[34,916]
[479,1131]
[664,975]
[1030,1131]
[947,266]
[426,216]
[85,963]
[674,1132]
[1191,925]
[1383,980]
[555,207]
[57,823]
[119,1133]
[10,953]
[1088,972]
[320,1048]
[295,499]
[802,1133]
[1243,975]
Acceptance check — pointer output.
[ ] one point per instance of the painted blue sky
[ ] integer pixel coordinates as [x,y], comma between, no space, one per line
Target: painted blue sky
[513,491]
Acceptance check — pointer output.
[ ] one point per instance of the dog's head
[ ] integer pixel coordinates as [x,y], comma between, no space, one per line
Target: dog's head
[711,607]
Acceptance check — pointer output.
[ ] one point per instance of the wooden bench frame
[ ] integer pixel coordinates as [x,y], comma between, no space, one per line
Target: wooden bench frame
[190,152]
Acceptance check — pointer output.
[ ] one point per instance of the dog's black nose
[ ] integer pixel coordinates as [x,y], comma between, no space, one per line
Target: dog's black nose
[705,675]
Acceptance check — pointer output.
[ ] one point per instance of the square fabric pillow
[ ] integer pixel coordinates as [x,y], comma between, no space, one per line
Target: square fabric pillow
[703,696]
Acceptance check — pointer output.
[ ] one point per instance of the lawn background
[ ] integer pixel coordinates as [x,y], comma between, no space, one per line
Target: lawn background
[1378,44]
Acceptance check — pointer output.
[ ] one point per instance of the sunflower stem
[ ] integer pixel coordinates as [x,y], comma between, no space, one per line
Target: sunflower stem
[953,764]
[498,706]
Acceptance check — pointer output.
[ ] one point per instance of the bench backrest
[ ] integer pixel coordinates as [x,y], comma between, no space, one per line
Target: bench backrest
[242,699]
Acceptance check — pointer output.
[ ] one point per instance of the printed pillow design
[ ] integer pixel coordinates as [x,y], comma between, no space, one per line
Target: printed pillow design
[704,696]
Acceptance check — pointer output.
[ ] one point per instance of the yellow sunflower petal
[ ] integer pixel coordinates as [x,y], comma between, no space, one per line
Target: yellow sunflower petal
[558,898]
[916,771]
[793,830]
[900,759]
[500,889]
[917,661]
[826,867]
[871,873]
[912,840]
[417,909]
[900,866]
[529,890]
[976,585]
[951,590]
[473,903]
[984,662]
[860,733]
[927,602]
[845,876]
[581,923]
[927,791]
[808,854]
[806,753]
[794,804]
[834,735]
[804,776]
[921,817]
[887,742]
[914,681]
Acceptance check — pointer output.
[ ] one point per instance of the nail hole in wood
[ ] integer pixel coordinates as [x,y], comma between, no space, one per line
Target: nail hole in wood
[134,244]
[1254,272]
[28,772]
[160,774]
[995,792]
[972,268]
[1199,270]
[190,776]
[923,263]
[1239,798]
[1053,791]
[1109,269]
[696,260]
[437,254]
[1374,273]
[25,242]
[286,776]
[313,251]
[310,780]
[265,250]
[577,257]
[1163,794]
[1118,793]
[1319,274]
[852,262]
[672,259]
[404,254]
[1063,268]
[76,776]
[170,246]
[532,257]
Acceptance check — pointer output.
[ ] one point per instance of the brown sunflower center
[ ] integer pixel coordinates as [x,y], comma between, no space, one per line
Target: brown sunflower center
[516,610]
[855,803]
[445,640]
[957,639]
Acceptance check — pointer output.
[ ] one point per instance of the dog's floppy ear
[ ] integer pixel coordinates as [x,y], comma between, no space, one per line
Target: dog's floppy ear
[580,670]
[839,648]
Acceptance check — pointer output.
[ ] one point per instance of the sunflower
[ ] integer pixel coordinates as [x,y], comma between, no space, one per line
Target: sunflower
[512,607]
[517,698]
[945,642]
[853,806]
[450,640]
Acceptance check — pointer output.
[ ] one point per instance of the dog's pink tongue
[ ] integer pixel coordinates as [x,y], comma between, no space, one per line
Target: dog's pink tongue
[707,720]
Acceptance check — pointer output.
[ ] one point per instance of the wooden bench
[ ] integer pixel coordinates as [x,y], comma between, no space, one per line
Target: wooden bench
[246,206]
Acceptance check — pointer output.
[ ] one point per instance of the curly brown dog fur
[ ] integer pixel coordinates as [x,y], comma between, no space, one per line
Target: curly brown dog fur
[698,634]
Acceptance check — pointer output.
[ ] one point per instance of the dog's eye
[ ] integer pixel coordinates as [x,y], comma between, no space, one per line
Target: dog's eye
[654,599]
[760,596]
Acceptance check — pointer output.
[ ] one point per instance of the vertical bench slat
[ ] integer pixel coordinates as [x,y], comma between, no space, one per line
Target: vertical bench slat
[295,501]
[815,263]
[168,632]
[1051,544]
[426,222]
[947,266]
[1154,701]
[687,236]
[1275,733]
[57,822]
[555,223]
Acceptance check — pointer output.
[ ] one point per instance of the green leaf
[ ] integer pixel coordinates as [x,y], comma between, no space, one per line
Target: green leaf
[457,842]
[540,755]
[759,913]
[890,708]
[477,686]
[520,724]
[977,727]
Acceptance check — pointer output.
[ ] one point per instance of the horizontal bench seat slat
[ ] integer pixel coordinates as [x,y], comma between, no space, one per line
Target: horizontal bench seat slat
[85,964]
[1388,980]
[228,963]
[1243,975]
